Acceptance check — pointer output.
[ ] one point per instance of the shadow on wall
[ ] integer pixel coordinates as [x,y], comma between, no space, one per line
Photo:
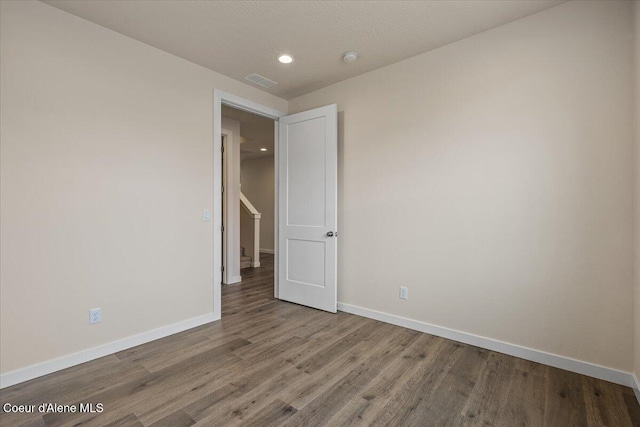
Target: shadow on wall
[257,181]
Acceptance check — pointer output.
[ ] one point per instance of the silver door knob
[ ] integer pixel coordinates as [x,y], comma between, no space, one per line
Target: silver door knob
[330,234]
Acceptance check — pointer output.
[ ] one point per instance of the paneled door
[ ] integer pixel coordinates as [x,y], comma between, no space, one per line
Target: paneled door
[308,189]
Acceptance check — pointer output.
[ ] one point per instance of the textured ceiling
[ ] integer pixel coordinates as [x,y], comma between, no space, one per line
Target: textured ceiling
[237,38]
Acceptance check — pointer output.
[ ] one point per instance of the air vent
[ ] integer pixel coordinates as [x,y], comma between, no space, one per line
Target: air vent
[260,80]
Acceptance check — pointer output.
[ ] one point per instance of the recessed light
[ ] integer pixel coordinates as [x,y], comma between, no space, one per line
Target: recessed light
[263,149]
[285,59]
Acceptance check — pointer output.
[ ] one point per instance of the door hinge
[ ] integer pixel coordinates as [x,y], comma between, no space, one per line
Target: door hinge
[222,228]
[222,188]
[222,149]
[222,268]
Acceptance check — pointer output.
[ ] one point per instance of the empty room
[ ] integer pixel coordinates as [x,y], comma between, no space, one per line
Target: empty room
[319,213]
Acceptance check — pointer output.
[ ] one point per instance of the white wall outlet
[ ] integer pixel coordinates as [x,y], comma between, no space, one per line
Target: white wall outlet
[404,292]
[206,215]
[95,315]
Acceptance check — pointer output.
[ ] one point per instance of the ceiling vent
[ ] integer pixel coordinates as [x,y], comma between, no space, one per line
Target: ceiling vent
[260,80]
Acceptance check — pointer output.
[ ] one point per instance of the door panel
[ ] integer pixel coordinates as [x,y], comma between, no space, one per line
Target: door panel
[305,263]
[307,177]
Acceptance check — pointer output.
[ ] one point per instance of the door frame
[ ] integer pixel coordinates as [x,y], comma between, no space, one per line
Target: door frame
[228,252]
[220,97]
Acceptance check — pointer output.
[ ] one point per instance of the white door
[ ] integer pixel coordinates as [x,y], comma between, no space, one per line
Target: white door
[308,199]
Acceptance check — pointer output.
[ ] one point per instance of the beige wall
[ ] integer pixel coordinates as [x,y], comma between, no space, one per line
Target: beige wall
[636,15]
[106,167]
[494,178]
[257,179]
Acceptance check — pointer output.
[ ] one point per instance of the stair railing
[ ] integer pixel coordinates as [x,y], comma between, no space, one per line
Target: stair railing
[253,212]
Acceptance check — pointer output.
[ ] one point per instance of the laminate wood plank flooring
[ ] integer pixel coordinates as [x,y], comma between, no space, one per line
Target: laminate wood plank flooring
[272,363]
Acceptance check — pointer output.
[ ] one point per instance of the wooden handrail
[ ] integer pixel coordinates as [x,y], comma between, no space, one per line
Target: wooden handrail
[248,206]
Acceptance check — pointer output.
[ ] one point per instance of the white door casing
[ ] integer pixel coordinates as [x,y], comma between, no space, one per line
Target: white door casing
[307,218]
[220,97]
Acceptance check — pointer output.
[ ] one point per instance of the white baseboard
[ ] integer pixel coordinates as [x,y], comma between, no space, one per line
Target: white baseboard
[585,368]
[566,363]
[50,366]
[234,279]
[255,264]
[267,251]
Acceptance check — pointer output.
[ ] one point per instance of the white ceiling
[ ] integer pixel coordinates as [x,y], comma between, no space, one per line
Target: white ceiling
[237,38]
[256,132]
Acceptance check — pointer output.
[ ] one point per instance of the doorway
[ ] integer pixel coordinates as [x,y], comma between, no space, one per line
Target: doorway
[248,201]
[221,98]
[305,202]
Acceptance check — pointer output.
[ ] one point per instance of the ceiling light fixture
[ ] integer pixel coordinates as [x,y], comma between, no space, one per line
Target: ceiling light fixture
[285,59]
[349,56]
[263,149]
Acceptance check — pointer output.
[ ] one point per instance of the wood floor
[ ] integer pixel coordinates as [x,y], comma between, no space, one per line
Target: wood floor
[271,363]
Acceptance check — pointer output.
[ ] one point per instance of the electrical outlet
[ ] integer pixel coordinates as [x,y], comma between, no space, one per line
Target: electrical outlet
[404,292]
[95,315]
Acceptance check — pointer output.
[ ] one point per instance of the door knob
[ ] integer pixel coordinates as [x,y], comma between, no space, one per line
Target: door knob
[330,234]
